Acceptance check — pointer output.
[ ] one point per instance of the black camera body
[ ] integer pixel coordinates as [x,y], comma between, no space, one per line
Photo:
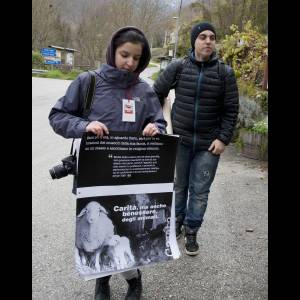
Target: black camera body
[67,167]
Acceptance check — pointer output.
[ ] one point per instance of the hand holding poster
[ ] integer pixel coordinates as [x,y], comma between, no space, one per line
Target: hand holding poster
[125,213]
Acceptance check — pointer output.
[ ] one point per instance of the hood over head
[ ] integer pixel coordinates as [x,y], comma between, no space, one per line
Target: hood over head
[111,49]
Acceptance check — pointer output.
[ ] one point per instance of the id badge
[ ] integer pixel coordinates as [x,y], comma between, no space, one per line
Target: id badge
[128,111]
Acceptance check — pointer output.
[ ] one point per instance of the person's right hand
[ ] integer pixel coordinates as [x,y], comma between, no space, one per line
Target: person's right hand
[98,128]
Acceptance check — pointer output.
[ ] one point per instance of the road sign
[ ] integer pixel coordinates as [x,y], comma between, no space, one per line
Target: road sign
[48,52]
[52,62]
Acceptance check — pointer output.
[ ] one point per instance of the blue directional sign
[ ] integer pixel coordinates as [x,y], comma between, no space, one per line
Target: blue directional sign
[52,62]
[48,52]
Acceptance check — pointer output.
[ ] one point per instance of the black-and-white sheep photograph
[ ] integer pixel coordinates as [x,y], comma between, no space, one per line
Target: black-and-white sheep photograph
[114,233]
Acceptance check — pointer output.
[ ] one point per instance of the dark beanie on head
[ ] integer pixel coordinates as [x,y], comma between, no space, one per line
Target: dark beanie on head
[197,29]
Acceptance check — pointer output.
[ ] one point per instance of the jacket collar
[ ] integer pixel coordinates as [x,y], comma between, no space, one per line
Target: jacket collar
[120,78]
[212,60]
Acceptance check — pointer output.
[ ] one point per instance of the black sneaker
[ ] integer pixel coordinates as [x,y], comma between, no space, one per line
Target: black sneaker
[135,287]
[178,230]
[179,226]
[191,245]
[102,289]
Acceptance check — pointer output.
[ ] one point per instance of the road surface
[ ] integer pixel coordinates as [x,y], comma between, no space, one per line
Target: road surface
[233,258]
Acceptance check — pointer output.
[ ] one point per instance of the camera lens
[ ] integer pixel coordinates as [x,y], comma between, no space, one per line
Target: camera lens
[58,172]
[52,173]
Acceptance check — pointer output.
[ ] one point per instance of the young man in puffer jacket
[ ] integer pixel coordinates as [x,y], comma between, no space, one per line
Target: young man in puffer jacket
[204,114]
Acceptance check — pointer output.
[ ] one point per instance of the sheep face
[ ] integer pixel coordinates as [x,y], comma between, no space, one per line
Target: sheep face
[93,227]
[92,212]
[114,240]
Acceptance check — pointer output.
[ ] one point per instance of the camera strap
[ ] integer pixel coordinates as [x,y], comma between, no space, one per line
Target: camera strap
[71,151]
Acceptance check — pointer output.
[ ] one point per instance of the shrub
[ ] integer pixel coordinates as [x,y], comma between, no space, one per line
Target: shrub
[72,75]
[246,52]
[37,59]
[55,74]
[155,75]
[58,74]
[260,127]
[249,112]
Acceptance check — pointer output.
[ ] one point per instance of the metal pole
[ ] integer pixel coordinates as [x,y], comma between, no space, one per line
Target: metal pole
[177,29]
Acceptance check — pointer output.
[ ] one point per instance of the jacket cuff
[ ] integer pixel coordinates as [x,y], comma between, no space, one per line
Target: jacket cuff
[223,140]
[162,129]
[82,126]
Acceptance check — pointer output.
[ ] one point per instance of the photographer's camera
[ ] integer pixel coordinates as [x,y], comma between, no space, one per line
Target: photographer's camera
[67,167]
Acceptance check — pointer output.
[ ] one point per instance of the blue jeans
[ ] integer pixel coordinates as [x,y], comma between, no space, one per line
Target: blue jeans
[195,172]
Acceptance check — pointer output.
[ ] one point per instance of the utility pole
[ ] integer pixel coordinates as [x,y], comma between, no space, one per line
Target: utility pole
[177,29]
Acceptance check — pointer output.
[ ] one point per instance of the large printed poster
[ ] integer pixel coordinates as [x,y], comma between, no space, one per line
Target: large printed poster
[125,214]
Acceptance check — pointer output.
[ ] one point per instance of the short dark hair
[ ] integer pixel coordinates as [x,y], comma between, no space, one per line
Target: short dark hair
[129,36]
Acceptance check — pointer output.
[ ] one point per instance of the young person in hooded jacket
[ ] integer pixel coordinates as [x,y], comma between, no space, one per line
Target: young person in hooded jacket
[128,54]
[204,114]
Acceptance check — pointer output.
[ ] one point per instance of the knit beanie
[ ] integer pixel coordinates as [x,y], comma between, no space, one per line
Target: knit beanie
[197,29]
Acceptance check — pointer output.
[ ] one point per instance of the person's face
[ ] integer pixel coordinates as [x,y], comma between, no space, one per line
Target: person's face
[205,44]
[128,56]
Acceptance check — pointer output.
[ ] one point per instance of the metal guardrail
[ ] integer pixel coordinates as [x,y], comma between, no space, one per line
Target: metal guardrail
[38,71]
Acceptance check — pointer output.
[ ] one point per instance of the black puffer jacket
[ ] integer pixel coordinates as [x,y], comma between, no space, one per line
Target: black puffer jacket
[204,108]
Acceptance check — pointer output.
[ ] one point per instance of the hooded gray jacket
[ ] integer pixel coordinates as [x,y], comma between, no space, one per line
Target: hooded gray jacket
[112,85]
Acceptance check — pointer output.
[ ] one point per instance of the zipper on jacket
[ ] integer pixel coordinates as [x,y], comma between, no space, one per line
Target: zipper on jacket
[196,106]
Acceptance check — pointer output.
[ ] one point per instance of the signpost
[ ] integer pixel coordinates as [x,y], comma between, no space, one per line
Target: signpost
[52,62]
[50,56]
[48,52]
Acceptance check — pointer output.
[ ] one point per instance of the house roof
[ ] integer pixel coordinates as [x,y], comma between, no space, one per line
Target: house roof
[62,48]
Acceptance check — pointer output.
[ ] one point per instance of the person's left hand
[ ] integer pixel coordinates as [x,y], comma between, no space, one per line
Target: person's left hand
[150,130]
[216,147]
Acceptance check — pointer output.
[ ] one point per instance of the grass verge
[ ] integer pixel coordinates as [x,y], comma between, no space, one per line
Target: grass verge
[57,74]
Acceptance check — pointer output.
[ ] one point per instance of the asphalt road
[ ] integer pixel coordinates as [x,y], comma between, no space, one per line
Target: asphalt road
[233,258]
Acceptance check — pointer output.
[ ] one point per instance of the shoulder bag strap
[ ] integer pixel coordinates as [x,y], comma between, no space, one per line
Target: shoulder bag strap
[88,100]
[89,96]
[221,71]
[180,68]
